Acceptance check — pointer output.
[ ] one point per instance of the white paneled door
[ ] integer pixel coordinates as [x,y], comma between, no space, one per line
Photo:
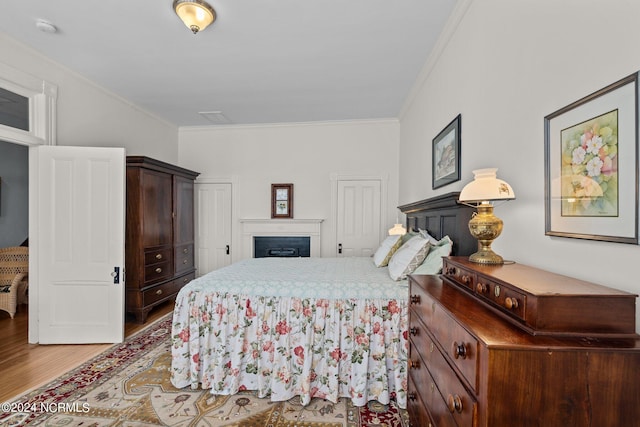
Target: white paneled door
[213,226]
[77,244]
[358,222]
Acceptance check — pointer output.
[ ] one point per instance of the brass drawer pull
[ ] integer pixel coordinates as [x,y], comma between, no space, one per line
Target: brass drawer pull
[159,256]
[450,270]
[413,331]
[459,350]
[482,288]
[414,364]
[511,303]
[454,403]
[158,270]
[185,280]
[415,299]
[466,279]
[159,292]
[185,261]
[412,396]
[185,250]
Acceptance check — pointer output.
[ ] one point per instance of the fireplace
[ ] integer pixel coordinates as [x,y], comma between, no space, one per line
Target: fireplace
[308,229]
[281,246]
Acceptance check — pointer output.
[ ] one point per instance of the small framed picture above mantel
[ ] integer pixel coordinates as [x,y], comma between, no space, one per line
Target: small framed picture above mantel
[281,200]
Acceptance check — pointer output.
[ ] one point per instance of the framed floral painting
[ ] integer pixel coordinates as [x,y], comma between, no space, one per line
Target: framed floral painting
[281,200]
[591,166]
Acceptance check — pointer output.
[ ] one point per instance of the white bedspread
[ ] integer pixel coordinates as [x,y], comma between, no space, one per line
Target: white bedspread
[308,327]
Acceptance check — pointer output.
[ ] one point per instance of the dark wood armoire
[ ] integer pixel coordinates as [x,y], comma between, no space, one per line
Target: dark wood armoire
[159,244]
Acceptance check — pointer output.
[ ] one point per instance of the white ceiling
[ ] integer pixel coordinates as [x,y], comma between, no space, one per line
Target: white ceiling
[262,61]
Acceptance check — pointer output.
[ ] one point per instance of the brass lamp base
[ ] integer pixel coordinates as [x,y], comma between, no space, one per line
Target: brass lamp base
[485,227]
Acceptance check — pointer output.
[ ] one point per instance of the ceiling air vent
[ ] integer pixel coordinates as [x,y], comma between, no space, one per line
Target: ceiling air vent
[215,117]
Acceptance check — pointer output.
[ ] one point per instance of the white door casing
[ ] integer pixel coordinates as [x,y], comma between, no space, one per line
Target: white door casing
[358,217]
[76,236]
[213,215]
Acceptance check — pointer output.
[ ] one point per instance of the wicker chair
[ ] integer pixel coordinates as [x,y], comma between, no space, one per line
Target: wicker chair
[14,271]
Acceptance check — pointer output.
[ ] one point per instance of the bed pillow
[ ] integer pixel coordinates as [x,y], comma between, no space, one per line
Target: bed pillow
[432,264]
[386,250]
[408,257]
[408,235]
[429,237]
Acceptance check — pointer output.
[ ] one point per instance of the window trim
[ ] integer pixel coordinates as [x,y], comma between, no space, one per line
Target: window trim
[42,107]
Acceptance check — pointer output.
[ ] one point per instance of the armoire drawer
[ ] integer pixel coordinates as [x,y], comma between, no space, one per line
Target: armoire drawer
[159,292]
[181,281]
[157,272]
[460,345]
[184,258]
[155,256]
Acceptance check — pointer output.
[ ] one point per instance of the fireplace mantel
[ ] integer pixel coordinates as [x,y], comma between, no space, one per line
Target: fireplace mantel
[252,227]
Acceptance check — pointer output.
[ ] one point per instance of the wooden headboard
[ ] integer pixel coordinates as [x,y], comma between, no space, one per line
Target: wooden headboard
[441,216]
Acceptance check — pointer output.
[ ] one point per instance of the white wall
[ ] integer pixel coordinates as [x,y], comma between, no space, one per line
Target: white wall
[509,64]
[88,115]
[306,155]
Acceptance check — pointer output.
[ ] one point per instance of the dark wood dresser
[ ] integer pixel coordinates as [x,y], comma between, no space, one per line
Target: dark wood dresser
[159,243]
[513,345]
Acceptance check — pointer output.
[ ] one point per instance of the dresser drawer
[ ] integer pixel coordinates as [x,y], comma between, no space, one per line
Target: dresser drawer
[502,296]
[184,258]
[448,334]
[157,255]
[461,275]
[417,408]
[544,303]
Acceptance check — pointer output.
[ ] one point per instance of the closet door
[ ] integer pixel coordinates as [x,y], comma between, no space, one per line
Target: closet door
[213,226]
[358,222]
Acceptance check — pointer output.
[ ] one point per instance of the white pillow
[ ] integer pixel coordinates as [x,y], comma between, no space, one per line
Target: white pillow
[386,250]
[429,237]
[408,257]
[433,262]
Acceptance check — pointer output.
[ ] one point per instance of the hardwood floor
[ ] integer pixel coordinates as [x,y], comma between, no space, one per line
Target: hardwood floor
[24,366]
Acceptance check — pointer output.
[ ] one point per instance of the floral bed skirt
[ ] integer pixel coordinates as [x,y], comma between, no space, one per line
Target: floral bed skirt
[284,347]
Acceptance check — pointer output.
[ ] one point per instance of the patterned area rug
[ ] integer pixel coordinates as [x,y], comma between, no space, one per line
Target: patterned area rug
[128,385]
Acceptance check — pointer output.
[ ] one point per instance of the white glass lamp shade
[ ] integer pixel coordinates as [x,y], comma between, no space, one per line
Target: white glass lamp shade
[486,187]
[196,14]
[397,229]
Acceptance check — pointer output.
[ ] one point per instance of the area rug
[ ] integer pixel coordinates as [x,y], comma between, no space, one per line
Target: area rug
[128,385]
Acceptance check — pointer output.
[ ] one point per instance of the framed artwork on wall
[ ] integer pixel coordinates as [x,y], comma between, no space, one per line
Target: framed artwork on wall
[281,200]
[591,166]
[446,154]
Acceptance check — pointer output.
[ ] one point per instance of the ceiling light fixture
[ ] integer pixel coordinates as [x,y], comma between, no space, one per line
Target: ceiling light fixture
[45,26]
[196,14]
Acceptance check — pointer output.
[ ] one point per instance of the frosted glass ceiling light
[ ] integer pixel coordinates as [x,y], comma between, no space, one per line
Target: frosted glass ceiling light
[196,14]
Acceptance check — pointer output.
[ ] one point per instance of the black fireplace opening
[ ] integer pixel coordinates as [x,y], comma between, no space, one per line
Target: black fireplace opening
[281,246]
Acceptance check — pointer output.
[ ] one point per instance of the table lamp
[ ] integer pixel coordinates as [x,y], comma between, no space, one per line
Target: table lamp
[484,225]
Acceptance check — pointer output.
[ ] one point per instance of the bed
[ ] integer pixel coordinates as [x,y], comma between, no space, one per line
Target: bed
[306,327]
